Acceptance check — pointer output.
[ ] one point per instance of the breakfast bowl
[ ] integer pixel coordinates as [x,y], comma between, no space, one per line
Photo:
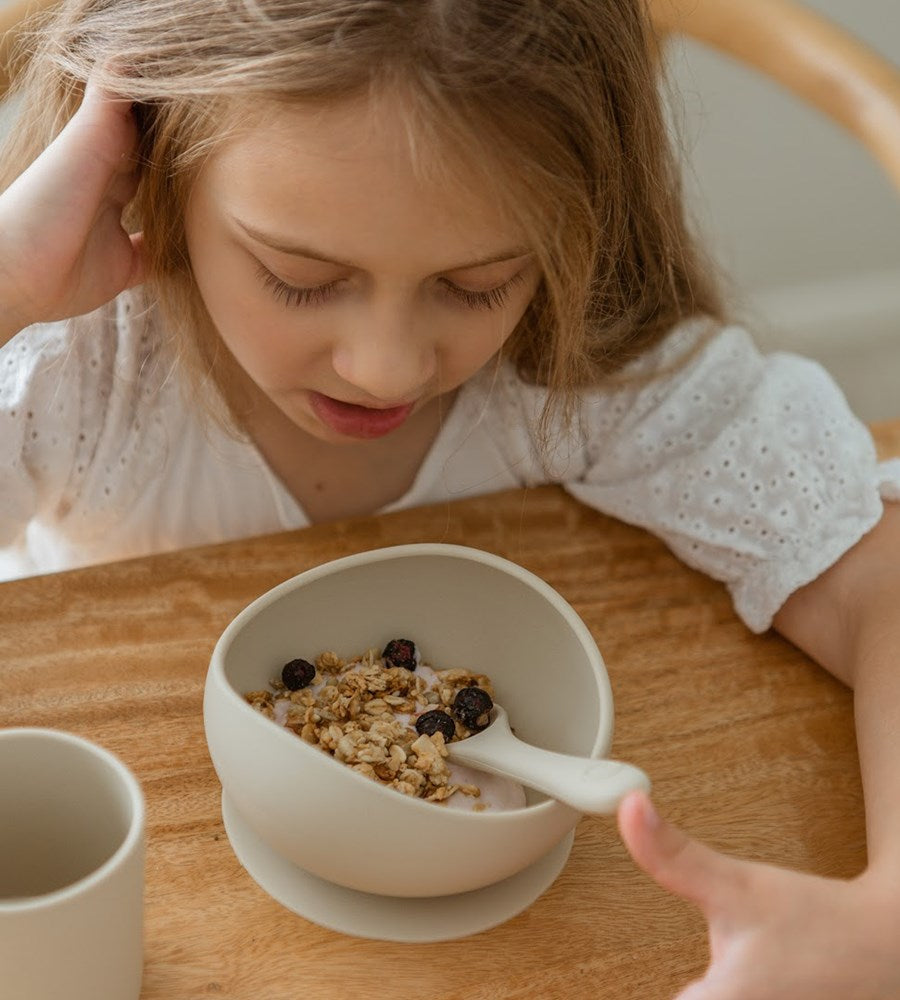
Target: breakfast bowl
[293,812]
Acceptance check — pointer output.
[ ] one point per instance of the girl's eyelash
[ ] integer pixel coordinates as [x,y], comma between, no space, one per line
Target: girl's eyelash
[293,296]
[491,299]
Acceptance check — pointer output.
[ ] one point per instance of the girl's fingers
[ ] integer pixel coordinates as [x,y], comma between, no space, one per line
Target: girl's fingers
[105,122]
[97,98]
[684,866]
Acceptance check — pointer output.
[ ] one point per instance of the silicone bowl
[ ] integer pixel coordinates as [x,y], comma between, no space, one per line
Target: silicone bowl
[464,608]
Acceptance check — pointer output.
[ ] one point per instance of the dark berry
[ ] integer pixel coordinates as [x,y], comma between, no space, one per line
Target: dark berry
[436,721]
[297,674]
[471,706]
[400,653]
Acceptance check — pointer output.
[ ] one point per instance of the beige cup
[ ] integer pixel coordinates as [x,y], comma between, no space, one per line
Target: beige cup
[71,870]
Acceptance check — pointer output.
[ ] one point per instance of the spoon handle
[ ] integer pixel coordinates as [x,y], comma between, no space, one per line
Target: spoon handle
[590,786]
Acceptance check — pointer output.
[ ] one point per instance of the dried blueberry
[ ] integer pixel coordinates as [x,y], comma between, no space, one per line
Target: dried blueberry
[436,721]
[401,653]
[297,674]
[472,706]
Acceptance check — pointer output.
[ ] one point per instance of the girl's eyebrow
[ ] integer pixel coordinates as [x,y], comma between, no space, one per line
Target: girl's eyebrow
[299,250]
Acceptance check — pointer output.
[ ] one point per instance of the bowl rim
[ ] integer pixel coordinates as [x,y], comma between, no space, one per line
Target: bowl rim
[605,723]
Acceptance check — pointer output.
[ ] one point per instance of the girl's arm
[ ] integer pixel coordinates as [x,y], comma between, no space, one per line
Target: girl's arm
[63,249]
[781,935]
[848,620]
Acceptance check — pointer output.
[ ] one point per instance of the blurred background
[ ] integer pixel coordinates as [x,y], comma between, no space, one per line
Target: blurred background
[803,222]
[800,217]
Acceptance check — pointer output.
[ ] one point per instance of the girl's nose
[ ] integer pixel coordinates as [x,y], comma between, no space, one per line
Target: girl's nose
[387,359]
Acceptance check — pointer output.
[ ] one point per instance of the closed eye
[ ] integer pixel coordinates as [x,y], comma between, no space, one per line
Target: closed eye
[295,295]
[492,298]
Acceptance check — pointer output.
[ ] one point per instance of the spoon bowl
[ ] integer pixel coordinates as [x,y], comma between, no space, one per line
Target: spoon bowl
[590,785]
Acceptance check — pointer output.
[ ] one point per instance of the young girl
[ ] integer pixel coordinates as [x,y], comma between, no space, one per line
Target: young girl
[269,262]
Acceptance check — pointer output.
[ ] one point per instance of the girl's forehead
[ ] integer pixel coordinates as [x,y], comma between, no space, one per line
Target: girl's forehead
[330,167]
[345,134]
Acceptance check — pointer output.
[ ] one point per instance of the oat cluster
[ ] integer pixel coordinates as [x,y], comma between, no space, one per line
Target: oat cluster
[363,711]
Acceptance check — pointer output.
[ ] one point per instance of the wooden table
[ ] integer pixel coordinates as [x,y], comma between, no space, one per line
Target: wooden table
[750,747]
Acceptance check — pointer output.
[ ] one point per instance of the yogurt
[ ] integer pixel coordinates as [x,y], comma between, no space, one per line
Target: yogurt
[370,713]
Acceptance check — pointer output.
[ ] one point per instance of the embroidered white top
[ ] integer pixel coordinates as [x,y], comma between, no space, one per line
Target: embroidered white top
[751,468]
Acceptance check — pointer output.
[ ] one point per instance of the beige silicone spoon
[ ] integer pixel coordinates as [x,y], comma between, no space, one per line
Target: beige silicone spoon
[588,785]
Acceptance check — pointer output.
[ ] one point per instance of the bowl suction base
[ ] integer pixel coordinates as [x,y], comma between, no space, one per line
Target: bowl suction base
[389,918]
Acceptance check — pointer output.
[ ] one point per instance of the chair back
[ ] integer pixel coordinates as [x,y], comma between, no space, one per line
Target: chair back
[806,53]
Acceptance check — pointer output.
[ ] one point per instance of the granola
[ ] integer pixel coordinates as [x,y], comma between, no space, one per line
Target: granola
[390,723]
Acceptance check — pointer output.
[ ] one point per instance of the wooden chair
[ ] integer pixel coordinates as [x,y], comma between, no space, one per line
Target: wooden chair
[803,51]
[807,54]
[14,15]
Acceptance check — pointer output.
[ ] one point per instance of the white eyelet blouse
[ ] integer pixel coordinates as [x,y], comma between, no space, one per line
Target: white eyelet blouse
[751,468]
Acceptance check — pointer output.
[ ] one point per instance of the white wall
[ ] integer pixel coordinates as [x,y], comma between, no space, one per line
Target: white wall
[799,214]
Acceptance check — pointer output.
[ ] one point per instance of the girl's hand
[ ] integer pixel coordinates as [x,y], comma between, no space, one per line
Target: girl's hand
[774,934]
[63,249]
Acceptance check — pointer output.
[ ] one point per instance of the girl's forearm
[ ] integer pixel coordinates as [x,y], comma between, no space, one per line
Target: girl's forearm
[848,621]
[877,707]
[11,313]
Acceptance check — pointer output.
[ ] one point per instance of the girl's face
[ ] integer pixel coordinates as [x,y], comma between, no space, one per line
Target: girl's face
[351,291]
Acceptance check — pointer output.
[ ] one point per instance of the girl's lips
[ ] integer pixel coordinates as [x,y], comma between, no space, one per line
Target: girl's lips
[358,421]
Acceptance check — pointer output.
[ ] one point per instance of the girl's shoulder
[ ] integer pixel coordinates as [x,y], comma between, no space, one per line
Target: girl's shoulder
[694,353]
[120,342]
[687,389]
[82,392]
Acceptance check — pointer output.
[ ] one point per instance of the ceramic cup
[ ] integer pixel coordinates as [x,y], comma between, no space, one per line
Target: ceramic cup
[71,870]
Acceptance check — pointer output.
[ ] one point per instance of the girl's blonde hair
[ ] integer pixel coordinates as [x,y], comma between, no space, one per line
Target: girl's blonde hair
[555,102]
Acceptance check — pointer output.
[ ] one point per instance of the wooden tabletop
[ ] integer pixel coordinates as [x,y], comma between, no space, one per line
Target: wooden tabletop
[750,746]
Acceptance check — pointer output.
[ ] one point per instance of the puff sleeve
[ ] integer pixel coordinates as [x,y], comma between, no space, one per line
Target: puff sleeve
[750,467]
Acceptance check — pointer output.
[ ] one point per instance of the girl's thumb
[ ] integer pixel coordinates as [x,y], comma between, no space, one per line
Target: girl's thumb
[675,861]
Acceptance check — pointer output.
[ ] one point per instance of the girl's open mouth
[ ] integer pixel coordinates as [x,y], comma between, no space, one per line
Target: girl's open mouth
[358,421]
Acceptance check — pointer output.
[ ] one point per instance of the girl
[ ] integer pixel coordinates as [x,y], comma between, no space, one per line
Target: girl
[266,262]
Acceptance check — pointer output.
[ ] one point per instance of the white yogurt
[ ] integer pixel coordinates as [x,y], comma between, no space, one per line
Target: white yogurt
[497,793]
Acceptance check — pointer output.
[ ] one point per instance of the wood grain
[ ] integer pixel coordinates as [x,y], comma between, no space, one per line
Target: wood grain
[750,747]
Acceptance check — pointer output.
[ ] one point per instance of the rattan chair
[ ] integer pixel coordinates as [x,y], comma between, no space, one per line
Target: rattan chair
[807,54]
[14,15]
